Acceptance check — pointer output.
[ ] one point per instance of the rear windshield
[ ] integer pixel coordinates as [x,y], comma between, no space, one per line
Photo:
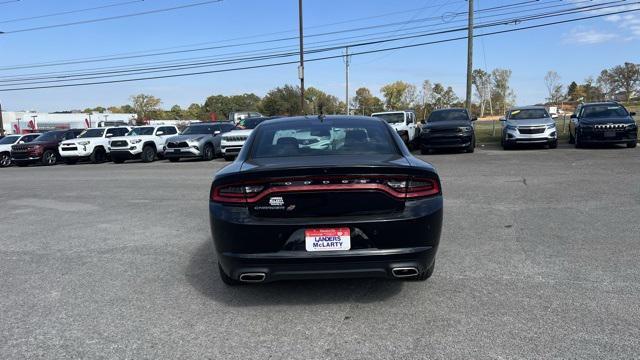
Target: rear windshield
[446,115]
[528,114]
[322,139]
[391,118]
[604,111]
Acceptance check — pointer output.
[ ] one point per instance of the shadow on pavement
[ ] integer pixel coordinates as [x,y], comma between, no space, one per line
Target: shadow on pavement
[202,274]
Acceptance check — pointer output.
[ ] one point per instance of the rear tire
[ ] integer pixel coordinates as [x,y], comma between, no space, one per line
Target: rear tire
[174,159]
[98,156]
[226,278]
[572,140]
[148,154]
[632,145]
[49,158]
[208,153]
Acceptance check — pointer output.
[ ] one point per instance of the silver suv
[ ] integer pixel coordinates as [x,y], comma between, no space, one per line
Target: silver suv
[528,125]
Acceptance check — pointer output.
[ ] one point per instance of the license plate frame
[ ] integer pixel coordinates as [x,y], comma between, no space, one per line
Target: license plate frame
[609,134]
[327,239]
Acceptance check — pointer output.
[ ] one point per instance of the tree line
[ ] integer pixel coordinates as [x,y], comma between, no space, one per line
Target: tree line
[493,95]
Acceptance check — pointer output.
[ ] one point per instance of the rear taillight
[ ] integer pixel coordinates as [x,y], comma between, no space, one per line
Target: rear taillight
[418,188]
[394,186]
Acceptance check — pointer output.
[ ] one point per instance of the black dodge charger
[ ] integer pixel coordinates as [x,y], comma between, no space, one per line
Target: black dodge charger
[325,197]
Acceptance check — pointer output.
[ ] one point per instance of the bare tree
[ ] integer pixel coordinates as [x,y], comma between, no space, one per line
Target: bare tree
[554,87]
[482,82]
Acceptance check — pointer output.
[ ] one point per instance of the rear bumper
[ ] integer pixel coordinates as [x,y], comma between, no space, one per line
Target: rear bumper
[291,265]
[276,247]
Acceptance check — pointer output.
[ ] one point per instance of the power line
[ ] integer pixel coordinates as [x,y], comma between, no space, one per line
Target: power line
[70,11]
[326,57]
[291,38]
[113,17]
[8,2]
[272,55]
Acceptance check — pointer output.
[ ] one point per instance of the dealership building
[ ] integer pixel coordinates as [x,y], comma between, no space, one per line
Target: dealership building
[24,122]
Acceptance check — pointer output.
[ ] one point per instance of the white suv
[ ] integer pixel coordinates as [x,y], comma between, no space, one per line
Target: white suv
[143,142]
[404,122]
[93,144]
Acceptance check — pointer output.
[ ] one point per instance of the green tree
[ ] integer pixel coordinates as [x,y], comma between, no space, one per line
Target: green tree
[283,100]
[194,112]
[365,103]
[144,106]
[399,95]
[572,91]
[321,102]
[222,105]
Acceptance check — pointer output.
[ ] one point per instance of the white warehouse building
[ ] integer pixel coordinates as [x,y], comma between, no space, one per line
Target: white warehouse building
[20,122]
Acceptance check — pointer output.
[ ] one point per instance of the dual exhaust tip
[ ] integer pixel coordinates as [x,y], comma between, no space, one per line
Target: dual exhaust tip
[399,272]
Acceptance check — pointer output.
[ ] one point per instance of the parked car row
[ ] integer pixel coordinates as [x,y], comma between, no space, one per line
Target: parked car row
[592,123]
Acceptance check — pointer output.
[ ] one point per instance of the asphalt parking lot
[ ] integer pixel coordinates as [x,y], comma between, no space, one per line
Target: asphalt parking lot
[538,259]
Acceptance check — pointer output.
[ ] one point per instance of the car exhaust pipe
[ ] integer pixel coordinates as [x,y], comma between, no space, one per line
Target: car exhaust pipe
[252,277]
[404,272]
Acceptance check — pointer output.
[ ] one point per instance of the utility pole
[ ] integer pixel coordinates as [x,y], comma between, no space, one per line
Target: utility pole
[469,56]
[346,71]
[1,122]
[301,66]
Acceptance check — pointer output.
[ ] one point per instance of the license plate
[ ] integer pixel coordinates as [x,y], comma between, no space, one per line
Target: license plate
[609,134]
[327,239]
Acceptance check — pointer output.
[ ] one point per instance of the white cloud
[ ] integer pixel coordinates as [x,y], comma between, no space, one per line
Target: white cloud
[627,23]
[583,35]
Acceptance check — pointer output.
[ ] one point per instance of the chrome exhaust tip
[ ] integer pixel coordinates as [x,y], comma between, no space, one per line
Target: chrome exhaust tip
[404,272]
[252,277]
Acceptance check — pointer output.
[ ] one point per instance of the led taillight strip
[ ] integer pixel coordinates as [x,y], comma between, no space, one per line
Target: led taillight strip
[422,191]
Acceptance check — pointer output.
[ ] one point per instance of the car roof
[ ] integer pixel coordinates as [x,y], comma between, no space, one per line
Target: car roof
[450,109]
[336,118]
[530,107]
[609,103]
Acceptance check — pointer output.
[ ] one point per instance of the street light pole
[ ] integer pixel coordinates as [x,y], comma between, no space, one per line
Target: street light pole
[469,56]
[301,67]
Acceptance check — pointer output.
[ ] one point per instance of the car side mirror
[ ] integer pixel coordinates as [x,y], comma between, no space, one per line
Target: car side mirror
[474,118]
[109,135]
[160,133]
[633,113]
[574,116]
[217,132]
[423,122]
[503,119]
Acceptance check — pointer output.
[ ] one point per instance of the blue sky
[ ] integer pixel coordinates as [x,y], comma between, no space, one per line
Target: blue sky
[574,50]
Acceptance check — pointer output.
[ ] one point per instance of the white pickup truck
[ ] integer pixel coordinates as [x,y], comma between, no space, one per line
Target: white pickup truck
[93,144]
[404,122]
[143,142]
